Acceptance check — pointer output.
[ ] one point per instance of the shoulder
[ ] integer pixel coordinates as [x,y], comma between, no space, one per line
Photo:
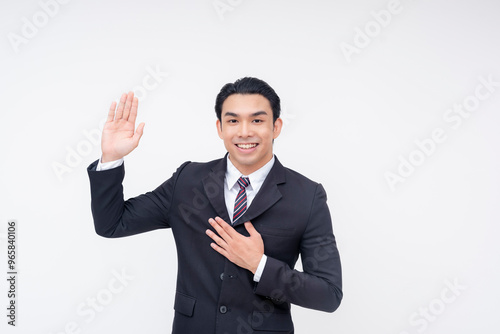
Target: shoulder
[301,184]
[298,185]
[292,176]
[194,166]
[199,170]
[298,177]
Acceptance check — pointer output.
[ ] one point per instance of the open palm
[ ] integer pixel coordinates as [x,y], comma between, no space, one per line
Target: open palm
[118,135]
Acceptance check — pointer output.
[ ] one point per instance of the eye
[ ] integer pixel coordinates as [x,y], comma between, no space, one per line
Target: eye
[232,121]
[258,121]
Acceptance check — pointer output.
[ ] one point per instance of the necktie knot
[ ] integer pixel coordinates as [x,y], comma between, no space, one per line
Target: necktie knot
[243,182]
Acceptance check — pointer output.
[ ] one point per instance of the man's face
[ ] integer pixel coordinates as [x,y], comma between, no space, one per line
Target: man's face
[247,129]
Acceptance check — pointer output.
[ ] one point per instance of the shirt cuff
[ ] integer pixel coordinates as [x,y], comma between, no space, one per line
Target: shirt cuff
[260,268]
[108,165]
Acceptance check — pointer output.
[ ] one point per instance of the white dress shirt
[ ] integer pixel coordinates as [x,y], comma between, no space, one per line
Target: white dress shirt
[231,190]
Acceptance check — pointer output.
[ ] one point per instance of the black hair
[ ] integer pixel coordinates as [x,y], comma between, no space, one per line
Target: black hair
[248,85]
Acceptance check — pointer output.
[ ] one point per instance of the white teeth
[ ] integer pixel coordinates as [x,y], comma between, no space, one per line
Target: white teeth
[246,146]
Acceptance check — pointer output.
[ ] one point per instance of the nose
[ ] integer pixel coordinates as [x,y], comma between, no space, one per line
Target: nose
[245,130]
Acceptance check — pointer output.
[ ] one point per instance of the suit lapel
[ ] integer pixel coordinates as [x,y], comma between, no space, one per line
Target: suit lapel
[213,184]
[267,195]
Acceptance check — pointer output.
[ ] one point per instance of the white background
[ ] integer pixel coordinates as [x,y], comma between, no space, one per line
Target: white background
[349,120]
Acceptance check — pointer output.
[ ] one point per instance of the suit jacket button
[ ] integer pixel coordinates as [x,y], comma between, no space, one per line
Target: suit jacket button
[222,276]
[223,309]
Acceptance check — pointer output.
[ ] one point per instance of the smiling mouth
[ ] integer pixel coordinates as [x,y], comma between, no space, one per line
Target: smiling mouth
[246,146]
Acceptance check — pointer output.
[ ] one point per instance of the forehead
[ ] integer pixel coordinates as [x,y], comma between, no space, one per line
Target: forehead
[246,103]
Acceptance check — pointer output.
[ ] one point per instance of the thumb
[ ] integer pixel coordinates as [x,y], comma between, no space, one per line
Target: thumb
[138,133]
[249,227]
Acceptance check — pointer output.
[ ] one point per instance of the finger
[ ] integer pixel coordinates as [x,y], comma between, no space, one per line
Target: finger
[111,113]
[128,105]
[220,230]
[121,105]
[220,250]
[251,230]
[133,111]
[227,228]
[228,232]
[218,240]
[138,133]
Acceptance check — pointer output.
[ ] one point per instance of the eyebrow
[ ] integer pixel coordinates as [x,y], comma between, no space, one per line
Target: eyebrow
[257,113]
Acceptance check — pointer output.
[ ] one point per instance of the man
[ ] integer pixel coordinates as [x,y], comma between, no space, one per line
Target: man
[239,222]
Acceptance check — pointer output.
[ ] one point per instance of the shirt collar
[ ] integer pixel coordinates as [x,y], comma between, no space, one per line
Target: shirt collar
[257,177]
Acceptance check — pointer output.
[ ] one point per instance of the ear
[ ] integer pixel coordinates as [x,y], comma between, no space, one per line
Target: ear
[218,124]
[278,124]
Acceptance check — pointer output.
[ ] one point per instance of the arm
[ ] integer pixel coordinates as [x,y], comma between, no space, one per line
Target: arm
[114,217]
[319,286]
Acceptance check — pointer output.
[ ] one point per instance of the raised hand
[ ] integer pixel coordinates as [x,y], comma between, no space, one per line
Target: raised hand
[118,136]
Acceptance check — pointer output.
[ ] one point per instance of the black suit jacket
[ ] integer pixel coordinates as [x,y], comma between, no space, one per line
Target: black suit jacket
[213,295]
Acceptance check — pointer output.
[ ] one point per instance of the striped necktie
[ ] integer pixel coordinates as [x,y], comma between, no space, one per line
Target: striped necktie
[240,204]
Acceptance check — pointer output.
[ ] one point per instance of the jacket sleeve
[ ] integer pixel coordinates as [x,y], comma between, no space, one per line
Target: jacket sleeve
[319,286]
[114,217]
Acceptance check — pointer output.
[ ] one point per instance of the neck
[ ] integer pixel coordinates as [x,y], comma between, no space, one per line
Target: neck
[249,169]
